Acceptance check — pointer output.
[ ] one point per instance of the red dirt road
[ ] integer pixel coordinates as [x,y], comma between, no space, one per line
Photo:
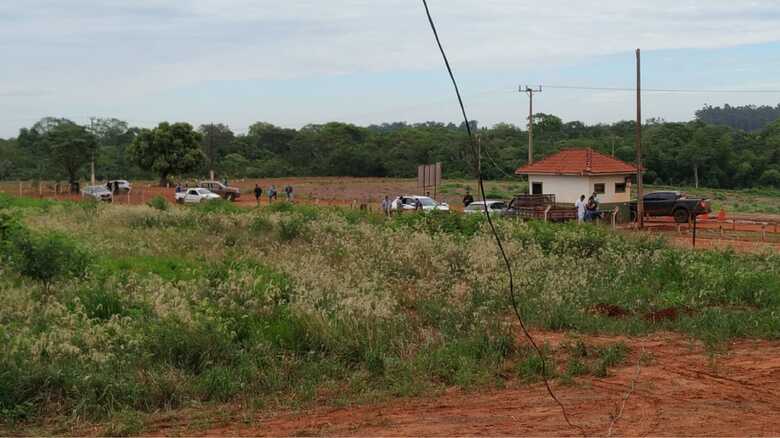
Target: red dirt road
[681,391]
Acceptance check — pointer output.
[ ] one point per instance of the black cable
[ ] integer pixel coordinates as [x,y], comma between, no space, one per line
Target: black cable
[657,90]
[495,233]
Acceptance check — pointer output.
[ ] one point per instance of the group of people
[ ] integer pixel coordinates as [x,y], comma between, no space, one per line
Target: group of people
[272,193]
[388,207]
[588,210]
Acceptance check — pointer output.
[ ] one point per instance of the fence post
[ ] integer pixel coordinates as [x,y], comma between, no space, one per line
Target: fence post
[734,224]
[720,226]
[614,217]
[546,211]
[20,189]
[763,231]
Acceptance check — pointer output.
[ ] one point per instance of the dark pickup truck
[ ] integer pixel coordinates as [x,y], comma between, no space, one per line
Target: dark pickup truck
[674,204]
[226,192]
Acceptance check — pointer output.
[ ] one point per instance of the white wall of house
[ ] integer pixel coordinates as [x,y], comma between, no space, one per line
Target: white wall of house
[568,188]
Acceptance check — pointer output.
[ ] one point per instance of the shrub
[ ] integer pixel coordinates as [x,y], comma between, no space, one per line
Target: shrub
[159,203]
[48,257]
[291,228]
[261,225]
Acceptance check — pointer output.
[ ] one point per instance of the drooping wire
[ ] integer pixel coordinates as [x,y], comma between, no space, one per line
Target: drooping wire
[513,298]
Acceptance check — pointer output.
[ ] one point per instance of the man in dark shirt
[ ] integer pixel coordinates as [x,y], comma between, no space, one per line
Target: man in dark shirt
[468,199]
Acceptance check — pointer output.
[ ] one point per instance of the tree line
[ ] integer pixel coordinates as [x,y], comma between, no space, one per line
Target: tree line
[685,153]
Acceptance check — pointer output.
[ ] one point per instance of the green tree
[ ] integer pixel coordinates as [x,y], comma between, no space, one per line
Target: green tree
[71,147]
[167,149]
[217,139]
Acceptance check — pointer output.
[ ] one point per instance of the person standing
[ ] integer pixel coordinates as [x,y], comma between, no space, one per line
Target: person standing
[288,191]
[418,204]
[258,193]
[468,199]
[271,193]
[386,205]
[580,206]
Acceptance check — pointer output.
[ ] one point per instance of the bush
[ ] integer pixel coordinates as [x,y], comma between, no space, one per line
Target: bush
[291,228]
[48,257]
[159,203]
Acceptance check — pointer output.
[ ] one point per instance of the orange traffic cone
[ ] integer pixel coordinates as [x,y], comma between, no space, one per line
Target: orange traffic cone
[722,215]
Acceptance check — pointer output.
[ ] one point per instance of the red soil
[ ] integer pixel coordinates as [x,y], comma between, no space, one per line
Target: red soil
[682,391]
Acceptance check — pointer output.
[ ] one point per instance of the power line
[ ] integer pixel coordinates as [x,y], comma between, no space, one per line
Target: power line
[499,244]
[661,90]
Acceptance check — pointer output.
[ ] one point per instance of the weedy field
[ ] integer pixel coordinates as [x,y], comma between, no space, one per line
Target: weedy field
[112,313]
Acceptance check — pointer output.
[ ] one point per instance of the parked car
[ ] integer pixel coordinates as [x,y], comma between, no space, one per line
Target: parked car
[409,203]
[196,195]
[120,185]
[227,192]
[675,204]
[495,207]
[98,193]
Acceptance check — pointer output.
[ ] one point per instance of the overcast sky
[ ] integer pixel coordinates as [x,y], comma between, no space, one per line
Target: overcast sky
[295,62]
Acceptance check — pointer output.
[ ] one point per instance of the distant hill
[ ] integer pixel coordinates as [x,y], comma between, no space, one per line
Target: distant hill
[747,118]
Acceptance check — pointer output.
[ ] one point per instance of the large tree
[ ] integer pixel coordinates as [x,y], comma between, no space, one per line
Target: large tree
[70,146]
[217,140]
[167,149]
[59,147]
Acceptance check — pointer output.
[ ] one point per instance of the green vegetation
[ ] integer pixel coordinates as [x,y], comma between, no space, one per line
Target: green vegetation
[702,153]
[153,310]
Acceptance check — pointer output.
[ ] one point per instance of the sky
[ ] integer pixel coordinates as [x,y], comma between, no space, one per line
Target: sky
[297,62]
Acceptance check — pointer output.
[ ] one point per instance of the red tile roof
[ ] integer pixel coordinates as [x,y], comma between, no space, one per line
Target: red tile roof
[578,162]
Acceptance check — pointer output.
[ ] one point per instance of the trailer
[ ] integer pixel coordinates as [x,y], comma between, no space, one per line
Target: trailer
[541,207]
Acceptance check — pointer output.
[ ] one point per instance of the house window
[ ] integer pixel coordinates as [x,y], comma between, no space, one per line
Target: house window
[620,187]
[536,188]
[599,188]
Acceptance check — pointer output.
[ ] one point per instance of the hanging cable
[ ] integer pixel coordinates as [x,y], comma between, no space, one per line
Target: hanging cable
[500,245]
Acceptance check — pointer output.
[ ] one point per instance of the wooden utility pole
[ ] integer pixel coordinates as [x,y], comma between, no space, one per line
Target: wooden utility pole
[640,202]
[530,91]
[92,165]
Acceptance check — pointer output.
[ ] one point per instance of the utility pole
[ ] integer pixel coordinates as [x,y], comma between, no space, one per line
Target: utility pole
[211,151]
[530,91]
[92,165]
[640,203]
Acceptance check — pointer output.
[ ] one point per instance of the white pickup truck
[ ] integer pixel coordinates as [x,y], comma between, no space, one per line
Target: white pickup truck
[196,195]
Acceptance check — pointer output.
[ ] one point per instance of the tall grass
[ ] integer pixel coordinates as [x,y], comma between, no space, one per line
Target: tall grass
[276,305]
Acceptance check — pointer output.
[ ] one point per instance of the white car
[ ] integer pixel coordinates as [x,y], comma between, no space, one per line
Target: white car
[495,207]
[409,203]
[196,195]
[120,185]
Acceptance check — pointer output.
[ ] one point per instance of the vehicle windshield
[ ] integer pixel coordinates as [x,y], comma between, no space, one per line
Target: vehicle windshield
[497,206]
[97,189]
[427,202]
[203,192]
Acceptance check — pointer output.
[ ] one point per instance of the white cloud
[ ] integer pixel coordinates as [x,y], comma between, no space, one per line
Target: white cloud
[82,51]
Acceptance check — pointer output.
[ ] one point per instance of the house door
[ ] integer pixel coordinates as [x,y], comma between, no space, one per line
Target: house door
[536,188]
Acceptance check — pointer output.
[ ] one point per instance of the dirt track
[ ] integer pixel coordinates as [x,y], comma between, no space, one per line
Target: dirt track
[682,391]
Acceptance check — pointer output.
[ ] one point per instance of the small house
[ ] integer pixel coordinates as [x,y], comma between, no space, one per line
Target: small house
[571,173]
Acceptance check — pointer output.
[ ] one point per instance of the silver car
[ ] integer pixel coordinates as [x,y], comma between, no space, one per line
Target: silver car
[495,207]
[98,193]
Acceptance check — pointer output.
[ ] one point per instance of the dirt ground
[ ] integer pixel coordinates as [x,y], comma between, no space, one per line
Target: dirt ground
[682,391]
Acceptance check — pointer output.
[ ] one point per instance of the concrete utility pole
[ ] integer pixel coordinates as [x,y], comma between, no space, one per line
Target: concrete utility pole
[92,165]
[640,202]
[530,91]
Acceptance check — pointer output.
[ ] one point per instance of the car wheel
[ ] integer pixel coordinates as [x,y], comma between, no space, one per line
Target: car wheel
[681,216]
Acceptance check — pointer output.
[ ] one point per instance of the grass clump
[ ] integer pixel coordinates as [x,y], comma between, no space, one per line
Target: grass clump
[159,203]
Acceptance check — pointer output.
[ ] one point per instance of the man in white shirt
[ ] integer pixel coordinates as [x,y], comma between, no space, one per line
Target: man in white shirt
[580,205]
